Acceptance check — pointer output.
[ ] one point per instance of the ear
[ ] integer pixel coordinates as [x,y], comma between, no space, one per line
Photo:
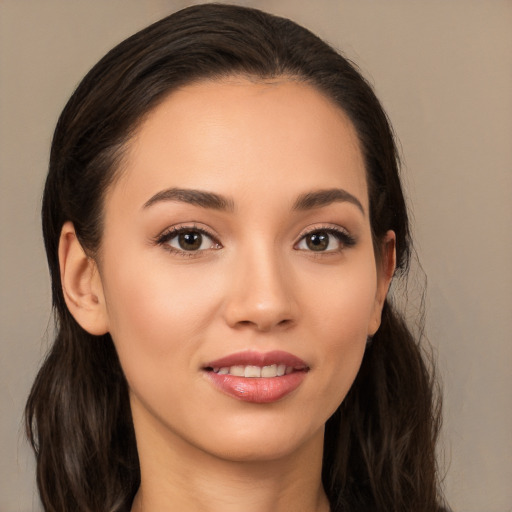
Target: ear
[385,269]
[81,283]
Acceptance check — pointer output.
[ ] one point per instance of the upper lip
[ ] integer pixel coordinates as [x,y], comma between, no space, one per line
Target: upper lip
[254,358]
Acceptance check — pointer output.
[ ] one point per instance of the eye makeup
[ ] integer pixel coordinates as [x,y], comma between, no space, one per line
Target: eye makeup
[325,239]
[187,240]
[192,240]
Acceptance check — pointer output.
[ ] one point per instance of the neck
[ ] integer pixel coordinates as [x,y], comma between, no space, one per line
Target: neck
[174,480]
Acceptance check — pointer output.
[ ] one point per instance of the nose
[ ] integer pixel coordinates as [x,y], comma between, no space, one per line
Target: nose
[260,293]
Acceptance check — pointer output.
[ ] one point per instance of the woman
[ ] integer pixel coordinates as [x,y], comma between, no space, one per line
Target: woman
[223,217]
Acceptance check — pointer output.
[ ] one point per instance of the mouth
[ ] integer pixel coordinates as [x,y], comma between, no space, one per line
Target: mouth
[257,377]
[255,372]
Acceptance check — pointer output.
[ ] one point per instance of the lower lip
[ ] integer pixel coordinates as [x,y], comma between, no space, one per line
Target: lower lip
[259,390]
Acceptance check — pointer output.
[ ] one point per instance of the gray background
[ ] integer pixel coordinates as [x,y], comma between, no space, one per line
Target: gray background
[444,73]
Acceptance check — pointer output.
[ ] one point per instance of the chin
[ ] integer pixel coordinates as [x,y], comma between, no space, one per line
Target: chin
[251,452]
[262,443]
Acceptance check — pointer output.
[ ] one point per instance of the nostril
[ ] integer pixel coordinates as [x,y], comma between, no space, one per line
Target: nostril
[254,310]
[264,324]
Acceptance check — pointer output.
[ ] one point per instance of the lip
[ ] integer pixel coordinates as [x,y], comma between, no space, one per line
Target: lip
[254,358]
[262,389]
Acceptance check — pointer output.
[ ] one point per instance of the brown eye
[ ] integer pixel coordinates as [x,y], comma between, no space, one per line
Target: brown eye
[318,241]
[326,240]
[190,241]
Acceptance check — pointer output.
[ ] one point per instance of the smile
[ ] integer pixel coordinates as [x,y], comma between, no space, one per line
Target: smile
[257,377]
[252,372]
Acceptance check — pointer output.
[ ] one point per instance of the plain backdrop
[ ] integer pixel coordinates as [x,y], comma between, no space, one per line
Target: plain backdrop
[443,70]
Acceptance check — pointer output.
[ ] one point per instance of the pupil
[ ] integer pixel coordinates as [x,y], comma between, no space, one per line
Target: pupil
[318,241]
[190,241]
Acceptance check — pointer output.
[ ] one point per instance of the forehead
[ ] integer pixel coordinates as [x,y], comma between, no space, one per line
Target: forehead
[218,135]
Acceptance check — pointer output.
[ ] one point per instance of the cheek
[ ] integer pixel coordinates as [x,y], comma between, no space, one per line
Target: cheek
[155,310]
[345,304]
[343,315]
[159,318]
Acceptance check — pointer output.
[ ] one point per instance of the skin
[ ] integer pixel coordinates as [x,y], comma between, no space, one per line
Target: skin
[255,284]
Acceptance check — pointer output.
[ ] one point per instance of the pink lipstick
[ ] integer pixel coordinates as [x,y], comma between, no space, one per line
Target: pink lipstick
[257,377]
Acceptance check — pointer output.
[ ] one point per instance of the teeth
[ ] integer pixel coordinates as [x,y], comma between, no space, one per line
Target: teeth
[250,371]
[237,371]
[269,371]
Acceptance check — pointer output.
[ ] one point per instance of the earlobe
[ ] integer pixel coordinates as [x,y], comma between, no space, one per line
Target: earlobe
[385,272]
[81,283]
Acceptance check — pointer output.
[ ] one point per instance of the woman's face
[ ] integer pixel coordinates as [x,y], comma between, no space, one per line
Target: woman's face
[237,265]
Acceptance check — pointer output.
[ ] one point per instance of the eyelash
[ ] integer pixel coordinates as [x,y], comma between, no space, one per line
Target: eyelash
[168,235]
[345,239]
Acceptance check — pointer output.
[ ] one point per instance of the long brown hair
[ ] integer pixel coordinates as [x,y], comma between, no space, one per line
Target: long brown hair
[379,451]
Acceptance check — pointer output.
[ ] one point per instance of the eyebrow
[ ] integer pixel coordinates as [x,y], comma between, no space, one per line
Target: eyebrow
[320,198]
[191,196]
[307,201]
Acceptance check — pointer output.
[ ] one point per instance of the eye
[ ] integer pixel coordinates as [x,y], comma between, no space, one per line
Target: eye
[325,240]
[188,239]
